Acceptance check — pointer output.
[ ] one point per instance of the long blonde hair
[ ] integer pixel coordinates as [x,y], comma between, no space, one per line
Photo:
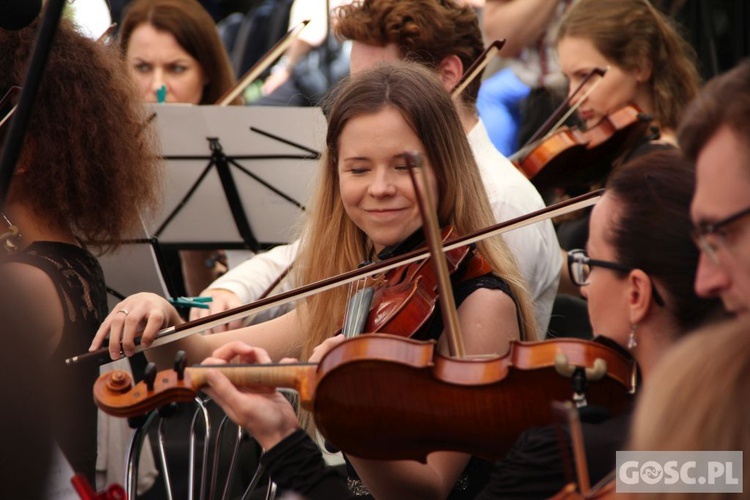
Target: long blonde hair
[697,399]
[415,92]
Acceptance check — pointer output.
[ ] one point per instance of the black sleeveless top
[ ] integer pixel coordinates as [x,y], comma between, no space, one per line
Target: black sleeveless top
[477,472]
[79,281]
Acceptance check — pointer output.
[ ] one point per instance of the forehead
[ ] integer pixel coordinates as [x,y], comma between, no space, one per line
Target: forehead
[147,40]
[603,213]
[576,52]
[364,56]
[722,177]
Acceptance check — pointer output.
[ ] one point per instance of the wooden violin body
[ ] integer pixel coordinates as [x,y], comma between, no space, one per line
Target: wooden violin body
[405,297]
[573,157]
[386,397]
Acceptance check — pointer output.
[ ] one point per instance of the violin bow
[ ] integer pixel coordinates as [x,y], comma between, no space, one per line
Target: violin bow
[431,229]
[567,411]
[477,66]
[186,329]
[545,130]
[253,73]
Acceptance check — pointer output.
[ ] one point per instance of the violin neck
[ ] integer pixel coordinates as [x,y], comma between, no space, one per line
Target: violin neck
[300,377]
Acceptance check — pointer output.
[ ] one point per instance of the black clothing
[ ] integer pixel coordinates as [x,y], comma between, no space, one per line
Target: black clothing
[80,285]
[533,468]
[574,233]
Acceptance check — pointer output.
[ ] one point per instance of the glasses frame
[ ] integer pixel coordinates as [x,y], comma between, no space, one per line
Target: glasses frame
[579,256]
[704,231]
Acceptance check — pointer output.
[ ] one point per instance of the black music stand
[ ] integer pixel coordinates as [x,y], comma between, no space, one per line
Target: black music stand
[236,178]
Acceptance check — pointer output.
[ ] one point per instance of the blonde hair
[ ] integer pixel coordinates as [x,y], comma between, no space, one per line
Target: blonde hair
[677,412]
[416,94]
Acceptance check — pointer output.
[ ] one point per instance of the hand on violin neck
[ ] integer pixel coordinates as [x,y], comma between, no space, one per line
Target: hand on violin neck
[323,348]
[263,411]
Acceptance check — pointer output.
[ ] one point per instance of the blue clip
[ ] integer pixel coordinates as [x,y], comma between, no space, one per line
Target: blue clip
[161,94]
[197,302]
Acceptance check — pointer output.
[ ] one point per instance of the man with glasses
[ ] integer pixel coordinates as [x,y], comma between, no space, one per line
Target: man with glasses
[716,135]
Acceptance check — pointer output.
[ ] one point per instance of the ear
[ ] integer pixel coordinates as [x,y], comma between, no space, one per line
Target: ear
[640,295]
[643,73]
[450,70]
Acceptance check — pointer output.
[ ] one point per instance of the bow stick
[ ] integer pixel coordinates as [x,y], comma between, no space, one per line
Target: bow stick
[186,329]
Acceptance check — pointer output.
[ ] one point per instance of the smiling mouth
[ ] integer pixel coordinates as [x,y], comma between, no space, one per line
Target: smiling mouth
[384,210]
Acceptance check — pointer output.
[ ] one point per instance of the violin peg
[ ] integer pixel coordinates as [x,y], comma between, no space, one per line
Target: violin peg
[180,362]
[149,375]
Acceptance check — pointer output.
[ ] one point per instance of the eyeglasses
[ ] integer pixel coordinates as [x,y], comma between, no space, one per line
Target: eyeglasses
[580,265]
[711,237]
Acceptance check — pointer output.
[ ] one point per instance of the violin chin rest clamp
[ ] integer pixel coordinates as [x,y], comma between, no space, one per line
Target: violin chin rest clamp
[566,369]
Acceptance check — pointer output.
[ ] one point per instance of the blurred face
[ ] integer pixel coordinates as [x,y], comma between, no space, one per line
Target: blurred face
[607,291]
[375,186]
[365,56]
[723,189]
[156,59]
[578,56]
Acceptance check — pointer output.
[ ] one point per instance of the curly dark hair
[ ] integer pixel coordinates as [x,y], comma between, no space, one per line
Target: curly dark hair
[89,162]
[425,31]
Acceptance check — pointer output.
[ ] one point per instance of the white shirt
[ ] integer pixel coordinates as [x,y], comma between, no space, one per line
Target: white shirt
[535,247]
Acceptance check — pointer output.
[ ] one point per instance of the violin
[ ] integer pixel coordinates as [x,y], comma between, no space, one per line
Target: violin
[356,393]
[403,299]
[572,157]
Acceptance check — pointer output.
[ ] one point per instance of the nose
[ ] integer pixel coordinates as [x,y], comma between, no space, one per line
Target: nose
[584,291]
[158,81]
[710,278]
[383,183]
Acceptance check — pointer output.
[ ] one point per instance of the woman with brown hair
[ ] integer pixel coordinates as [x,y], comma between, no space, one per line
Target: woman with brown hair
[87,171]
[175,43]
[649,65]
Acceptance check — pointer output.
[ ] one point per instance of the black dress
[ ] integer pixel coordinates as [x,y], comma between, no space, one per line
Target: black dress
[574,232]
[79,281]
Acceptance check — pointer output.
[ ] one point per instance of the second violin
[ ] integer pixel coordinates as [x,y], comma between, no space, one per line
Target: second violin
[574,157]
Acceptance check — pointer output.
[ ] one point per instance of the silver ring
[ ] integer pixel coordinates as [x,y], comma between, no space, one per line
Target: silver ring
[124,311]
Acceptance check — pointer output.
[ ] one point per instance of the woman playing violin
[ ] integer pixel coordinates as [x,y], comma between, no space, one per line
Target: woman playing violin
[364,204]
[650,66]
[637,274]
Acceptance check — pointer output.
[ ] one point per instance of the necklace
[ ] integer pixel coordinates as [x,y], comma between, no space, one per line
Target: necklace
[12,237]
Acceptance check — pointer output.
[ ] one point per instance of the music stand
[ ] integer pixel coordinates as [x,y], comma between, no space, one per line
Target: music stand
[136,266]
[236,177]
